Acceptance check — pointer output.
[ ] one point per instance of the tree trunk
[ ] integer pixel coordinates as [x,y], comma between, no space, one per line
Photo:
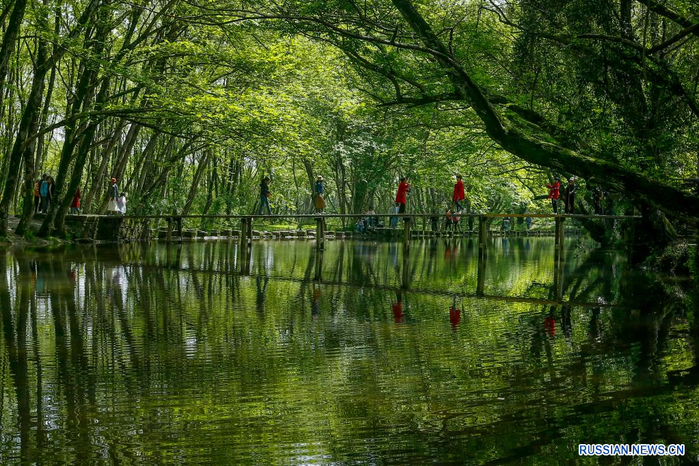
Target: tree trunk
[28,123]
[100,174]
[9,39]
[29,172]
[196,180]
[83,151]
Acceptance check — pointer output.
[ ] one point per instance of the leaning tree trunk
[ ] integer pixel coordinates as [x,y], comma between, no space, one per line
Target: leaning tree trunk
[541,150]
[83,151]
[29,120]
[196,180]
[9,39]
[28,152]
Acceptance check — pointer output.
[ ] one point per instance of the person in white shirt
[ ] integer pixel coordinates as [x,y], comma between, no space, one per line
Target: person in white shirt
[121,203]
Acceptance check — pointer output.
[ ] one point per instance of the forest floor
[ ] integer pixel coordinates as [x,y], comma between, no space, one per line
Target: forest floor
[32,240]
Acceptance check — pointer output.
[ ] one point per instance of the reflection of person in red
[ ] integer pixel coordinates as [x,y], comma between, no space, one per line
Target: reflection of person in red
[451,251]
[397,308]
[454,315]
[550,325]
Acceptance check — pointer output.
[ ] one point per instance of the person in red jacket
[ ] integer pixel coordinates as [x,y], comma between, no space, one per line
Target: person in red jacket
[459,194]
[402,195]
[555,193]
[75,203]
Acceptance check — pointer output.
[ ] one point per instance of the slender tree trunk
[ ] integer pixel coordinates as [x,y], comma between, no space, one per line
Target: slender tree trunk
[9,39]
[83,151]
[47,100]
[28,123]
[196,180]
[145,163]
[100,174]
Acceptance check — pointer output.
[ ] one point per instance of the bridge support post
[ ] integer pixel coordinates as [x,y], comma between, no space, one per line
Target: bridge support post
[320,233]
[169,229]
[558,259]
[559,233]
[407,233]
[179,227]
[405,279]
[482,235]
[319,265]
[482,253]
[243,233]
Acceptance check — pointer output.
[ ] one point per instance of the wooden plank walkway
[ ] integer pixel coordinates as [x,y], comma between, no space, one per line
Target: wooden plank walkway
[175,222]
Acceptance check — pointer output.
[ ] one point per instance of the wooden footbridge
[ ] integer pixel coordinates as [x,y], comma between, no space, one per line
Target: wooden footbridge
[110,226]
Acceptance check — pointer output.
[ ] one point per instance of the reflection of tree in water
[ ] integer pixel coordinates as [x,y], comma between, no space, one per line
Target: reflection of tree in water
[261,285]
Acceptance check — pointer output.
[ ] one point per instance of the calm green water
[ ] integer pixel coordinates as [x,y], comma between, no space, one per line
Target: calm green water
[152,355]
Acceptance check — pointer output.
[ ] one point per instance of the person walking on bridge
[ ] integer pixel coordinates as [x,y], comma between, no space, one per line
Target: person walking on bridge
[113,206]
[459,194]
[401,199]
[320,189]
[44,192]
[555,193]
[264,196]
[37,196]
[570,196]
[75,203]
[402,195]
[49,192]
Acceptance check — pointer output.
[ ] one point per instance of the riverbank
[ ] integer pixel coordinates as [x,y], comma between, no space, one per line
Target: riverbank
[13,240]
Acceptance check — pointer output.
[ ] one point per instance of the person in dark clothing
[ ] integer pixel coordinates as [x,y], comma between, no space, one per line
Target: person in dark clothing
[599,197]
[448,221]
[49,193]
[264,196]
[456,221]
[113,206]
[555,193]
[43,192]
[319,200]
[571,188]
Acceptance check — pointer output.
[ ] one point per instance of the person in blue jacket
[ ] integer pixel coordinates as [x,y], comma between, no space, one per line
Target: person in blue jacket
[320,189]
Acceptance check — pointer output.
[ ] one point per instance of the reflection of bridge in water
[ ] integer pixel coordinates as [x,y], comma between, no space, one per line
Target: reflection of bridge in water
[245,237]
[243,268]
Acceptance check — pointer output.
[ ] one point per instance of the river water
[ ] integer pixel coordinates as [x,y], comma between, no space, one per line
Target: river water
[190,354]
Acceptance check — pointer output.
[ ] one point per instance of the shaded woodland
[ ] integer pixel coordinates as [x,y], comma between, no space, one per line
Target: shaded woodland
[189,104]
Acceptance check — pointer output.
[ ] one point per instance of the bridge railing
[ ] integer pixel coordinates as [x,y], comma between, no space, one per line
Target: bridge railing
[409,220]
